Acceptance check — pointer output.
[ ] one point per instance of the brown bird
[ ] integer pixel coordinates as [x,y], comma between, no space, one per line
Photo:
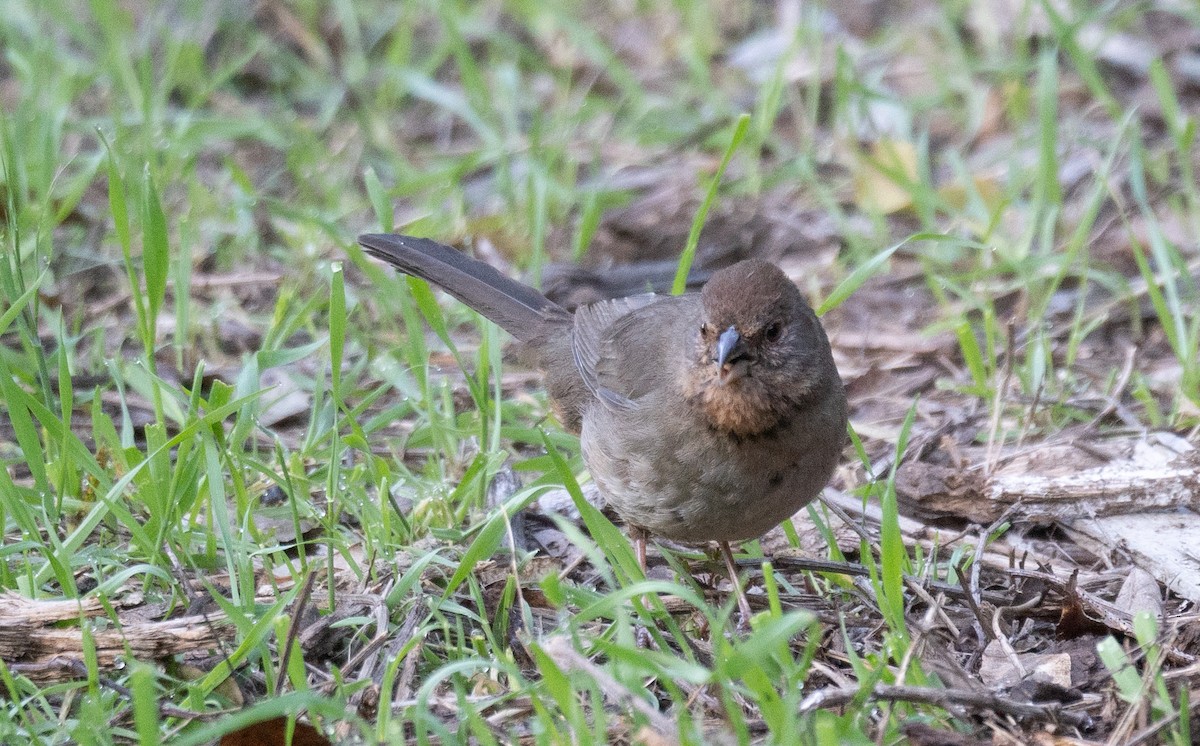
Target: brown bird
[703,417]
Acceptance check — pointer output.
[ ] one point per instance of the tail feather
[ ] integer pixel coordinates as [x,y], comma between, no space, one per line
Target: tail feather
[518,309]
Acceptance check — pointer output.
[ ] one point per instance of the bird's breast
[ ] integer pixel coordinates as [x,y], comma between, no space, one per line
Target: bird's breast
[678,476]
[744,408]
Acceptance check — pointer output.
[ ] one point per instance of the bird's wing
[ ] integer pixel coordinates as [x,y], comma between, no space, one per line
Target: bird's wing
[622,346]
[592,325]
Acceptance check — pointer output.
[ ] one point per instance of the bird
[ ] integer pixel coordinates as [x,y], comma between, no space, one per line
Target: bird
[706,417]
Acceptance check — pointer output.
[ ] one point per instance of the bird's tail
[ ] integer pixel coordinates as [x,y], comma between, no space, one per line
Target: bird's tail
[518,309]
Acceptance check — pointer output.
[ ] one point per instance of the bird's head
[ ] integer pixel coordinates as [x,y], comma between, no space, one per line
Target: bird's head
[760,350]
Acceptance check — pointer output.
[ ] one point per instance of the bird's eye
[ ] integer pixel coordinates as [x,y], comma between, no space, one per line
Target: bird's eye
[706,329]
[773,331]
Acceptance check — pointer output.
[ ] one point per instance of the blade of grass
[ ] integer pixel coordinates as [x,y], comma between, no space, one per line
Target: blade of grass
[740,127]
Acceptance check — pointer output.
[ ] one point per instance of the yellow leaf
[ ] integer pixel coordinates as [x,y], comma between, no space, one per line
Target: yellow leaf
[883,175]
[987,187]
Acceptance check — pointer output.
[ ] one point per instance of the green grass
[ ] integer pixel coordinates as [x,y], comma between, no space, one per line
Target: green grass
[181,190]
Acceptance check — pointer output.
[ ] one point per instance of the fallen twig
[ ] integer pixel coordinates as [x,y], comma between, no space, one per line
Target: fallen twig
[946,699]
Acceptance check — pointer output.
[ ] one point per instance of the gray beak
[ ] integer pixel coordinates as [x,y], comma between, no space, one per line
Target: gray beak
[729,347]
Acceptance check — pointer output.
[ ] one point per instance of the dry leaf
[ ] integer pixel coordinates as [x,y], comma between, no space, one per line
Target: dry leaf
[999,671]
[272,732]
[882,174]
[986,187]
[1139,592]
[228,688]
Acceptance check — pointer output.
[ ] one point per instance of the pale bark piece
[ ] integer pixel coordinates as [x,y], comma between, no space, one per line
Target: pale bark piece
[1155,476]
[1160,472]
[16,610]
[1137,497]
[35,645]
[1163,544]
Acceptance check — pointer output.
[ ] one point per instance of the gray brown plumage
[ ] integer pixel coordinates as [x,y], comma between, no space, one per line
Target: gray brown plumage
[710,416]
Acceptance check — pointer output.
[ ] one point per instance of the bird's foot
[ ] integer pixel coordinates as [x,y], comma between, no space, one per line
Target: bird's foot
[744,610]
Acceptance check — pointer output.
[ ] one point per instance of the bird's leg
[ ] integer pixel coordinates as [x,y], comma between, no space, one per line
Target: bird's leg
[743,605]
[638,535]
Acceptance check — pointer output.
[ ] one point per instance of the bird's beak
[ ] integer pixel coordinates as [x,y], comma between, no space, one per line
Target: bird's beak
[727,345]
[730,351]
